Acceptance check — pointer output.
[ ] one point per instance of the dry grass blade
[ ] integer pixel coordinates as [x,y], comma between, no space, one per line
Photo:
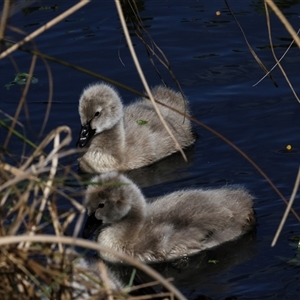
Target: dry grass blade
[274,55]
[141,74]
[46,141]
[50,78]
[30,174]
[20,264]
[44,28]
[46,193]
[3,124]
[144,285]
[287,210]
[50,96]
[22,101]
[45,239]
[28,204]
[105,280]
[139,30]
[260,63]
[21,209]
[165,296]
[28,208]
[280,59]
[284,21]
[4,16]
[19,175]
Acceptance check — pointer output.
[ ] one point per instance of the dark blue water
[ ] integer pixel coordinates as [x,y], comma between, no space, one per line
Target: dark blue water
[216,71]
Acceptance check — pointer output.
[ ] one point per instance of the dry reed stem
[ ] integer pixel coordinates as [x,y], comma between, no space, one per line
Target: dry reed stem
[143,79]
[18,178]
[46,188]
[284,21]
[22,210]
[28,267]
[29,171]
[144,285]
[287,210]
[274,55]
[280,59]
[105,279]
[22,101]
[153,296]
[44,28]
[139,29]
[31,174]
[22,127]
[50,96]
[19,175]
[46,193]
[46,141]
[4,198]
[3,18]
[26,272]
[50,79]
[260,63]
[79,223]
[49,184]
[8,240]
[70,216]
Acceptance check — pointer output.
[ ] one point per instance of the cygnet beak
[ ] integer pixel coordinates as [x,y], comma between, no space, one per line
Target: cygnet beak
[91,224]
[85,135]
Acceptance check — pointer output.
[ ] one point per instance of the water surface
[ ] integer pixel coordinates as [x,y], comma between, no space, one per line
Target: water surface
[216,71]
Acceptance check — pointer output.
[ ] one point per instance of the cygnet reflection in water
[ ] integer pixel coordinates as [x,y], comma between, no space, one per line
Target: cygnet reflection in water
[178,224]
[171,168]
[117,137]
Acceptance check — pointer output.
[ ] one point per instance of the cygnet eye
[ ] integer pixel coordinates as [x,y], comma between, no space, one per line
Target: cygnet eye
[97,113]
[101,205]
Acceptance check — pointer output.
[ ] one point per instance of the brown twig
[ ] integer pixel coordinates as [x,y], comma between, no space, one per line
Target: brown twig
[274,55]
[44,27]
[287,210]
[143,79]
[284,21]
[8,240]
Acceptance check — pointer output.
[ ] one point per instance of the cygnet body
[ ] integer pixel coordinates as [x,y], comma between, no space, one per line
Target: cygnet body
[178,224]
[124,138]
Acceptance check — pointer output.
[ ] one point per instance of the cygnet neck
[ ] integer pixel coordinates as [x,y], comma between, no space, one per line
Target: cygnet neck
[112,143]
[130,226]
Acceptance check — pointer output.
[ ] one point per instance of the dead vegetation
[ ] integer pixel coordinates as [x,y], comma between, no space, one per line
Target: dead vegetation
[37,259]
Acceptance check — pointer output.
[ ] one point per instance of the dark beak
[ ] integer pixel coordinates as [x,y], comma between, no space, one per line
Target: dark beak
[85,135]
[91,224]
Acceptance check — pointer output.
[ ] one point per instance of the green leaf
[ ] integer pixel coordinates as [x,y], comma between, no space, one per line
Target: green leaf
[213,261]
[21,79]
[141,122]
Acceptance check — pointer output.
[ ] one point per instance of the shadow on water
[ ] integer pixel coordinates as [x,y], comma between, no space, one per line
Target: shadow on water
[168,169]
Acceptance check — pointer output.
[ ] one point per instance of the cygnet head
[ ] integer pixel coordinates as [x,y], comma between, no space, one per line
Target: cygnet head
[109,199]
[100,109]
